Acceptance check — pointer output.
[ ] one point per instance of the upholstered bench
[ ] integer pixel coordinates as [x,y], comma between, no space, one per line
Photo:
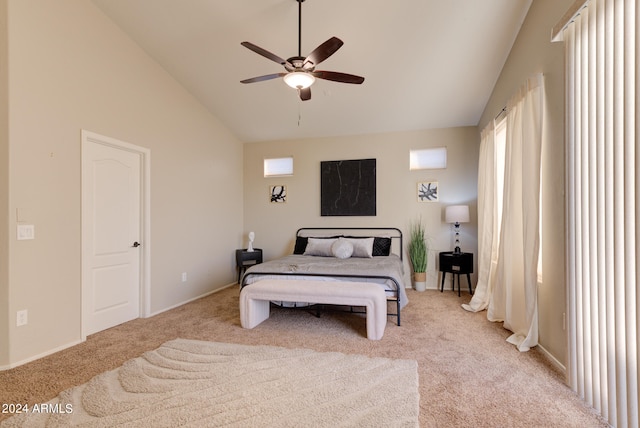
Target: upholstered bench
[255,299]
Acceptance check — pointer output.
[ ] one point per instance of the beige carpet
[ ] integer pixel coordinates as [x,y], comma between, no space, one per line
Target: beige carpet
[198,383]
[469,375]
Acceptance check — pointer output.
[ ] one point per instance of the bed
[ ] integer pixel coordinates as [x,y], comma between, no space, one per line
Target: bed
[347,255]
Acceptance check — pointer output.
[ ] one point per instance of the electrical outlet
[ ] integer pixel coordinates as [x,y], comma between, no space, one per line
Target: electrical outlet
[21,318]
[184,277]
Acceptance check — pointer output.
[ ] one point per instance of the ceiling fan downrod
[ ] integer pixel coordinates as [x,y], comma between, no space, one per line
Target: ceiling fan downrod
[300,27]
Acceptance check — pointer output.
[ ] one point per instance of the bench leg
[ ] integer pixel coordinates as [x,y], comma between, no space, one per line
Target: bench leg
[252,311]
[376,318]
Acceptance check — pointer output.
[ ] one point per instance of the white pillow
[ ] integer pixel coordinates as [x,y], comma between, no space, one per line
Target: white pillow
[342,248]
[362,247]
[319,247]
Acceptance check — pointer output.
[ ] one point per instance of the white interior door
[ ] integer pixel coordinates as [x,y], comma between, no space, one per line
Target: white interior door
[111,235]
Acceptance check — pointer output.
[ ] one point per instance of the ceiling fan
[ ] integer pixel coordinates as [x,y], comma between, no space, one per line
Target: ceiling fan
[301,71]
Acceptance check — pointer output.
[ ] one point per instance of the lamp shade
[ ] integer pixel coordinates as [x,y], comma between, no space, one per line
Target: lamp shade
[299,79]
[457,214]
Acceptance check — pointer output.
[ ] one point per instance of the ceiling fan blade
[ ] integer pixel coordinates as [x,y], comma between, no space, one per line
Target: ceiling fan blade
[305,94]
[263,78]
[338,77]
[322,52]
[265,53]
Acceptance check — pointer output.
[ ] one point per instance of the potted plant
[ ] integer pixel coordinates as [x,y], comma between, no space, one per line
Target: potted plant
[418,254]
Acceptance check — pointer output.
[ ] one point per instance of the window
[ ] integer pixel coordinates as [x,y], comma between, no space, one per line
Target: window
[435,158]
[500,164]
[278,167]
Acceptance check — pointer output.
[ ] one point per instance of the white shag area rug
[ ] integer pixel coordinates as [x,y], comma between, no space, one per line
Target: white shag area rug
[192,383]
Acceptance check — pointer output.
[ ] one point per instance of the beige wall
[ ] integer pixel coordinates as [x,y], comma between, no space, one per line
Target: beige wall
[532,53]
[4,188]
[397,206]
[71,68]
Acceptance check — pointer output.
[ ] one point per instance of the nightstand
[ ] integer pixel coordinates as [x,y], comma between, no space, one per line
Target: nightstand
[457,264]
[245,259]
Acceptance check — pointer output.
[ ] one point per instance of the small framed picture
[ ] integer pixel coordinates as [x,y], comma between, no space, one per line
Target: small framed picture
[427,191]
[278,194]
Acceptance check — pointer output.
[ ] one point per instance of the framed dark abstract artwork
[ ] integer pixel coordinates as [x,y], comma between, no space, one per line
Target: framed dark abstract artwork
[278,194]
[348,188]
[428,191]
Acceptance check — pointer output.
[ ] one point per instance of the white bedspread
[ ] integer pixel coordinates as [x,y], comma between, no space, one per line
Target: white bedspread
[383,266]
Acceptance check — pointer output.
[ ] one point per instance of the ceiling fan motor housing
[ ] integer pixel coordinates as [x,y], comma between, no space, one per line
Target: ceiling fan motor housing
[297,62]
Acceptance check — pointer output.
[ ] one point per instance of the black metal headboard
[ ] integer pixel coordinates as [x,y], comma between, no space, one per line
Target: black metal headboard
[385,232]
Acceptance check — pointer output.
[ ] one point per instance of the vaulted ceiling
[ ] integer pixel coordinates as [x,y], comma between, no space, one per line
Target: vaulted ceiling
[427,63]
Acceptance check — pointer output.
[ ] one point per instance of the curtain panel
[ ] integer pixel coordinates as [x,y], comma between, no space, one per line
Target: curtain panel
[509,232]
[515,295]
[488,220]
[602,119]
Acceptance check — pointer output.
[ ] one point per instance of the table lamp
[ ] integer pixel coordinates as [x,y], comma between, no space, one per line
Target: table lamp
[457,214]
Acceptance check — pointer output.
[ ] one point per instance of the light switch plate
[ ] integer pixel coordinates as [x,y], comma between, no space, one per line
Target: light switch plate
[21,318]
[26,231]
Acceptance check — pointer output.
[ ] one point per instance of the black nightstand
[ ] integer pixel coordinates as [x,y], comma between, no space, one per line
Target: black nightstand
[457,264]
[245,259]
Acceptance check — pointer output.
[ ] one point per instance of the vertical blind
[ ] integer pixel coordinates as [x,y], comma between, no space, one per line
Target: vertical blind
[603,195]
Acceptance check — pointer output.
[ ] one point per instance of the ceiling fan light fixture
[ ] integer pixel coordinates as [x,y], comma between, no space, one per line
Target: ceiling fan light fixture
[299,79]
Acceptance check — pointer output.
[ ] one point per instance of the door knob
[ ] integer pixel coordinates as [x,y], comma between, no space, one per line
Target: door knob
[136,244]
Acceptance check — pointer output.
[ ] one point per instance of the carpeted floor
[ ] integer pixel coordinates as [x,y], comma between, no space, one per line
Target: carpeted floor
[468,374]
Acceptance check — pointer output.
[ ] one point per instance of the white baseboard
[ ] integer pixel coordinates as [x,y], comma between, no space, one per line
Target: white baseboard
[192,299]
[44,354]
[553,360]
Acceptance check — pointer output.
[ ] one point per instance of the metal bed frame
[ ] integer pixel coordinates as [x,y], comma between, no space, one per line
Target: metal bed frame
[395,234]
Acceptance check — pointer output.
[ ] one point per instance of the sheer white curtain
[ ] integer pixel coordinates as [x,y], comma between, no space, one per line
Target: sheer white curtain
[515,296]
[602,47]
[490,166]
[508,283]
